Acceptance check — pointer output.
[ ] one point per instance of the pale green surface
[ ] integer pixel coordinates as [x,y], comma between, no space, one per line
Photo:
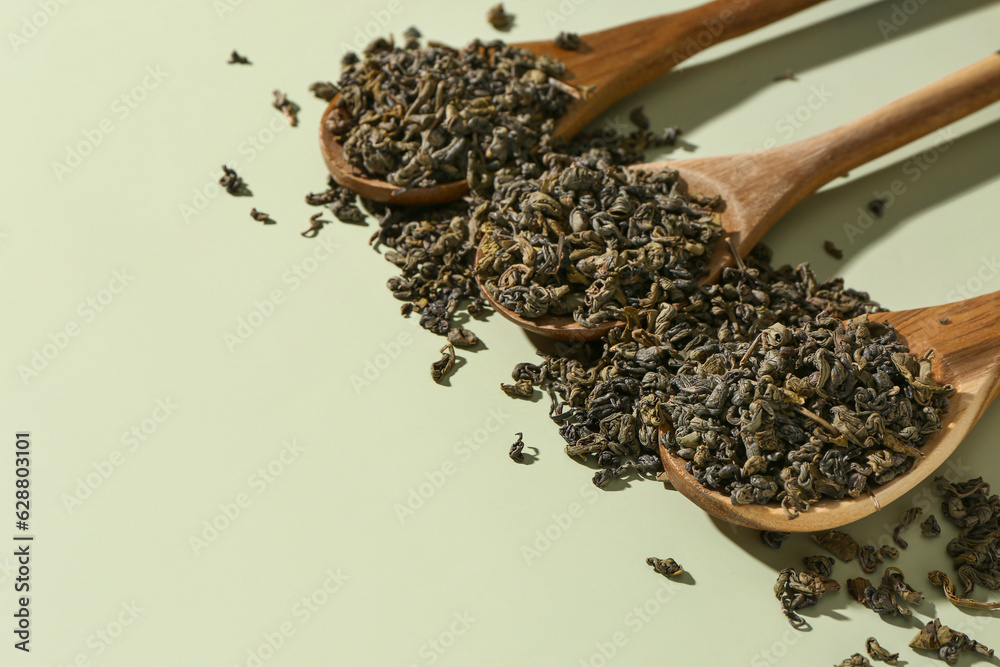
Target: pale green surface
[334,507]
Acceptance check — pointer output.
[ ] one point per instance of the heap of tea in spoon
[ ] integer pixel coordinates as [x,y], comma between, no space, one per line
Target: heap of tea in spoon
[589,238]
[423,115]
[586,238]
[428,112]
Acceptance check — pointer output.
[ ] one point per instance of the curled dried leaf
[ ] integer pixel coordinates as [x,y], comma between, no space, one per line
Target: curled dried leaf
[570,41]
[462,337]
[517,449]
[881,599]
[772,538]
[908,518]
[930,527]
[893,578]
[821,565]
[878,653]
[947,642]
[444,365]
[970,506]
[324,90]
[941,579]
[668,567]
[797,590]
[499,18]
[520,389]
[868,556]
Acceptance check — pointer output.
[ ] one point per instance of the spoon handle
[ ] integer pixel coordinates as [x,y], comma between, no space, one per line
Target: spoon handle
[725,19]
[620,60]
[809,164]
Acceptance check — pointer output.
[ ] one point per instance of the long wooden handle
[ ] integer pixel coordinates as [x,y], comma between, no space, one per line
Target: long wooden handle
[813,162]
[679,36]
[620,60]
[725,19]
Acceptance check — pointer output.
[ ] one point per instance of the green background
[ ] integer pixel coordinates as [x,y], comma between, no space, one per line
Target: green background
[143,201]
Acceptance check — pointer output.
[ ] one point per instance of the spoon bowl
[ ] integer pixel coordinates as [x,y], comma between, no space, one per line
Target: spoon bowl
[557,327]
[612,64]
[967,356]
[350,177]
[758,188]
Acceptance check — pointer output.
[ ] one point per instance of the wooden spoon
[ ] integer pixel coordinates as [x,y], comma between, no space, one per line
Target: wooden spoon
[615,62]
[758,188]
[968,357]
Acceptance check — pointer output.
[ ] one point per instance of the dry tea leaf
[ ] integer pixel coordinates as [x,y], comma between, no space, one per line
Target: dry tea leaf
[856,660]
[868,557]
[832,250]
[260,216]
[443,366]
[520,389]
[941,579]
[947,642]
[821,565]
[645,464]
[773,539]
[233,184]
[289,109]
[517,449]
[841,545]
[500,19]
[930,527]
[877,207]
[882,599]
[974,552]
[667,567]
[893,578]
[878,653]
[908,518]
[887,551]
[324,90]
[797,590]
[462,337]
[341,202]
[639,118]
[315,225]
[570,41]
[856,588]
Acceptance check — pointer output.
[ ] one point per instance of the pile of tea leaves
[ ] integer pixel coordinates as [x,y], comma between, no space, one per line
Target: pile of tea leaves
[435,246]
[826,409]
[420,115]
[773,386]
[755,381]
[590,238]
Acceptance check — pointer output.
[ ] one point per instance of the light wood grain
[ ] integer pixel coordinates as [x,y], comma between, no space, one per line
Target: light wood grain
[967,357]
[615,63]
[760,187]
